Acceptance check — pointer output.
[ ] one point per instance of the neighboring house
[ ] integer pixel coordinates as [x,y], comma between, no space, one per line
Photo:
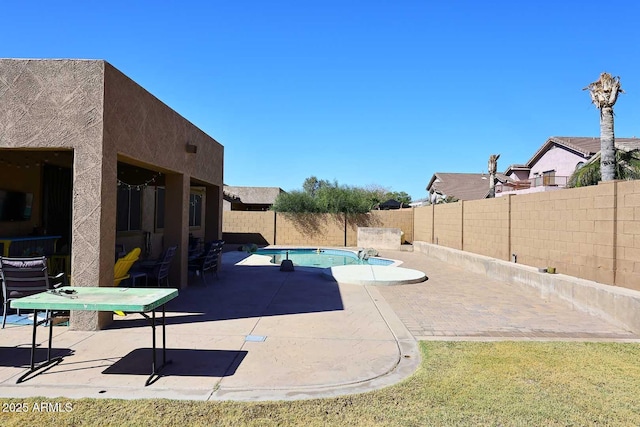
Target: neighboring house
[460,186]
[98,158]
[250,198]
[553,163]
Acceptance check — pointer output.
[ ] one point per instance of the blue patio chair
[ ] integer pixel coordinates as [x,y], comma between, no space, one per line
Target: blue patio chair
[158,271]
[208,261]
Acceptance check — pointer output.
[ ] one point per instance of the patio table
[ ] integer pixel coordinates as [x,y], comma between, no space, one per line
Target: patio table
[130,300]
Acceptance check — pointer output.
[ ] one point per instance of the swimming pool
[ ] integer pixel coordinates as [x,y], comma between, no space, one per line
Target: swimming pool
[321,258]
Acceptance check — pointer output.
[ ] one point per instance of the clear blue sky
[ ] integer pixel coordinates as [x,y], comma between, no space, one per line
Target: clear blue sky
[363,92]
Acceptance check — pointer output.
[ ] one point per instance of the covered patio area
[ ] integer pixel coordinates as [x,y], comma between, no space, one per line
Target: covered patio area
[76,136]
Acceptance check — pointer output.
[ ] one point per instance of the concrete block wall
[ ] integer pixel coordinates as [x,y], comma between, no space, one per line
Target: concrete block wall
[447,225]
[486,227]
[591,233]
[627,235]
[423,223]
[310,229]
[248,227]
[571,230]
[397,218]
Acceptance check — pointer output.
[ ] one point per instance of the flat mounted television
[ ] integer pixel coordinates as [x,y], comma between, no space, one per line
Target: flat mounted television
[15,205]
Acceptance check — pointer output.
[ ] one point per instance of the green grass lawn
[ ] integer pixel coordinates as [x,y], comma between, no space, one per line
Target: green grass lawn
[458,383]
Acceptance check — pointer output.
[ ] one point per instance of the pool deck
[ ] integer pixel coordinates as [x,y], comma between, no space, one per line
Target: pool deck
[355,274]
[257,333]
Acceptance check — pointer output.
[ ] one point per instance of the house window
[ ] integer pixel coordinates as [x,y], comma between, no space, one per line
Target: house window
[129,212]
[195,209]
[549,178]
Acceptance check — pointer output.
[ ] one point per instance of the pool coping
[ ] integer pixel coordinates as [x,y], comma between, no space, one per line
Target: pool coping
[353,250]
[361,274]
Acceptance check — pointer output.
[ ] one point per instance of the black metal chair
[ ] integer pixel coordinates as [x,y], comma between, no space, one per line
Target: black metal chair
[159,271]
[208,261]
[22,277]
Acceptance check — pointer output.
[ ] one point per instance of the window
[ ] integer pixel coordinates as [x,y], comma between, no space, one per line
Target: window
[548,177]
[195,210]
[129,212]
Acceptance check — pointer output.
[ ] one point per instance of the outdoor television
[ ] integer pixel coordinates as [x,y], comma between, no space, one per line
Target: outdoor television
[15,205]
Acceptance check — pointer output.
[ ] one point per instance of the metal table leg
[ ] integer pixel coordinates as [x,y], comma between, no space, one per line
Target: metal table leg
[155,371]
[49,361]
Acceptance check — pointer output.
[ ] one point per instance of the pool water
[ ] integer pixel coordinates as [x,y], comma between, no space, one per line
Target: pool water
[321,258]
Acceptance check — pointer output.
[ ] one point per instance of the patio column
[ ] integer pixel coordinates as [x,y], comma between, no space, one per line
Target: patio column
[176,228]
[213,213]
[93,227]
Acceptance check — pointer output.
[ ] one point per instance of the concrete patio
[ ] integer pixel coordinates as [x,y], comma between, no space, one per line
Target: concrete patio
[260,334]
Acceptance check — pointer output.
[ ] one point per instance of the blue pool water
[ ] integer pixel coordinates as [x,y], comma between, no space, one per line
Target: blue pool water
[322,258]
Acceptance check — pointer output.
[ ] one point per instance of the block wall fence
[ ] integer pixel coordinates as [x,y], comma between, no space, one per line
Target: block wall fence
[309,229]
[591,232]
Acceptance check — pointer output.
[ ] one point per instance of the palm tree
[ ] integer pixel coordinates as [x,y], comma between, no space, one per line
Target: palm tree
[604,94]
[492,169]
[627,166]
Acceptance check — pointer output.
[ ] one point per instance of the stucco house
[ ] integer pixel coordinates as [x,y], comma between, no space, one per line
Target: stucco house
[553,163]
[460,186]
[97,160]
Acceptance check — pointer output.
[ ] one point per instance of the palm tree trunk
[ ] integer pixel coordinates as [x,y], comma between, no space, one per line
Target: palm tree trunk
[492,186]
[607,144]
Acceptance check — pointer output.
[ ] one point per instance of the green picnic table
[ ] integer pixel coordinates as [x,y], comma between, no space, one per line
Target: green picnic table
[128,300]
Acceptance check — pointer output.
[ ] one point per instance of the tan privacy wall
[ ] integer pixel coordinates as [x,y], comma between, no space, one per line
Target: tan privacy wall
[249,227]
[397,218]
[309,229]
[592,232]
[447,225]
[486,227]
[628,234]
[572,230]
[423,223]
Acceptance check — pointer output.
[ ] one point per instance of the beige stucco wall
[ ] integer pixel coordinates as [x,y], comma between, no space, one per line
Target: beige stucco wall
[141,130]
[54,104]
[104,117]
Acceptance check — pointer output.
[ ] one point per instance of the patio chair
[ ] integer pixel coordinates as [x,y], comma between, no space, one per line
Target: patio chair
[22,277]
[158,271]
[120,251]
[123,265]
[207,261]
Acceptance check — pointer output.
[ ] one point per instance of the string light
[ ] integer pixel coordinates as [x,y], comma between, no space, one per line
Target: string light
[139,187]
